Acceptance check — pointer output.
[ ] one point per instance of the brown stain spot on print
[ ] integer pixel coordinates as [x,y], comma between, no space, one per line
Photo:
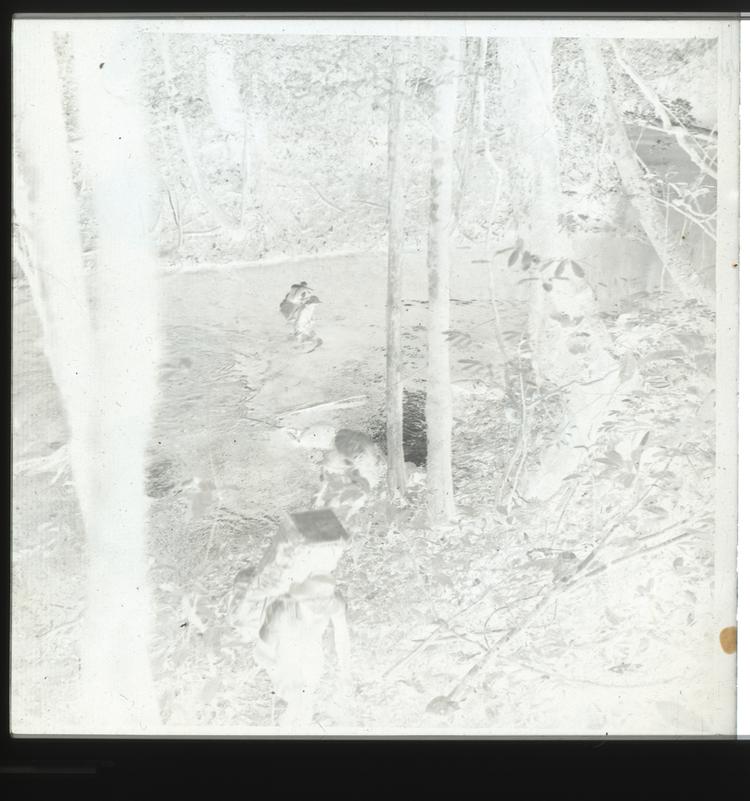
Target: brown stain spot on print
[728,639]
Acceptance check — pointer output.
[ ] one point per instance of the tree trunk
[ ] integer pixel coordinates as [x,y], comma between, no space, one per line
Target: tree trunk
[526,83]
[481,98]
[115,657]
[223,92]
[569,341]
[476,57]
[47,223]
[674,256]
[394,413]
[101,354]
[244,123]
[255,159]
[231,225]
[439,408]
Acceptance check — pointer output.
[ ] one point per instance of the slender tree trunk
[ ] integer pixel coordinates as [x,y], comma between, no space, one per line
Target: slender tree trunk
[230,224]
[674,256]
[532,164]
[476,62]
[223,92]
[481,98]
[396,213]
[256,158]
[174,206]
[245,123]
[439,408]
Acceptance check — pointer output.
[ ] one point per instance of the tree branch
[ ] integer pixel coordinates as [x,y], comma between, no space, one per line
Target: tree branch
[678,131]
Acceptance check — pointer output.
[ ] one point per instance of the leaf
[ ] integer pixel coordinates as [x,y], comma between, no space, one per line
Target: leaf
[547,287]
[560,268]
[458,337]
[526,260]
[470,365]
[577,269]
[513,258]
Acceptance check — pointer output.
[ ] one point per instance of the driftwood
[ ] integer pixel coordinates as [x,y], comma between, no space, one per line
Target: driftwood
[343,403]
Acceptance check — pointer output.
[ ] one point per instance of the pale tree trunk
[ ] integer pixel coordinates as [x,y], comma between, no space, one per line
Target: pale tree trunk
[101,354]
[222,89]
[48,234]
[101,348]
[497,173]
[233,227]
[116,667]
[256,157]
[49,245]
[439,408]
[531,145]
[226,104]
[569,341]
[475,61]
[674,256]
[394,411]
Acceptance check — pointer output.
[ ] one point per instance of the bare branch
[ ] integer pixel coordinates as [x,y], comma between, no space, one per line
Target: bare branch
[678,131]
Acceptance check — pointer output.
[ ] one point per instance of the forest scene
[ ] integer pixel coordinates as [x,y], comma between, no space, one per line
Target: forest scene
[365,384]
